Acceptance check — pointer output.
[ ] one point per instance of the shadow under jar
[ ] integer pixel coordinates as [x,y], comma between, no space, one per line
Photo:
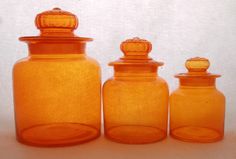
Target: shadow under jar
[197,108]
[136,98]
[57,87]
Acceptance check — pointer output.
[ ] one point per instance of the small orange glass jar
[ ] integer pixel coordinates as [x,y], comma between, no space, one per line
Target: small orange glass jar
[57,87]
[136,98]
[197,108]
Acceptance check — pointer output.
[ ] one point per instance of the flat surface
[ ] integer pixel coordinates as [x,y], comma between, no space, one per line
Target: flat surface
[105,149]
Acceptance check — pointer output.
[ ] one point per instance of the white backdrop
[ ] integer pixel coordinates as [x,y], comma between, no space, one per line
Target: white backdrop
[178,29]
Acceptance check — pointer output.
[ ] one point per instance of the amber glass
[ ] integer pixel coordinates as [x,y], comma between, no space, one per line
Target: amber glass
[197,108]
[57,87]
[135,99]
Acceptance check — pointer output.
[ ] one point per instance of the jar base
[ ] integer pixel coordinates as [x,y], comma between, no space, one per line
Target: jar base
[196,134]
[57,134]
[135,134]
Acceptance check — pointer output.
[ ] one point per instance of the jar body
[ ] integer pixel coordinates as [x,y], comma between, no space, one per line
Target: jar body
[135,109]
[197,114]
[57,99]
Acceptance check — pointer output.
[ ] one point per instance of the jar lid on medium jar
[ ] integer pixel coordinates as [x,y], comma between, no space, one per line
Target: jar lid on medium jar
[197,68]
[136,52]
[56,25]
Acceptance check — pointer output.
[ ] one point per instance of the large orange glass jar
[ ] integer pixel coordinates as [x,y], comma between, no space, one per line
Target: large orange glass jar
[197,108]
[57,87]
[136,98]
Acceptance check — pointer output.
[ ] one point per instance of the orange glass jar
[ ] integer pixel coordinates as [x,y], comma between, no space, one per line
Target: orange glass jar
[136,98]
[197,108]
[57,87]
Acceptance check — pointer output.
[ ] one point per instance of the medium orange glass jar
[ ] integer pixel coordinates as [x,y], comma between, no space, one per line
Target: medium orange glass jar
[136,98]
[197,108]
[57,87]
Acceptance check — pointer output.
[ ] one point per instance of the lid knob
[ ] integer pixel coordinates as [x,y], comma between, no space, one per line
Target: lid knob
[56,21]
[197,64]
[136,47]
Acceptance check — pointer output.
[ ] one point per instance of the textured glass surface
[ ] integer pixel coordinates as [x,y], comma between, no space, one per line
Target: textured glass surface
[57,87]
[135,99]
[197,108]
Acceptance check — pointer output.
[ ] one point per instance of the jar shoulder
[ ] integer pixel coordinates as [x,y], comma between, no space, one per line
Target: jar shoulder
[161,80]
[79,65]
[92,61]
[152,82]
[180,92]
[56,61]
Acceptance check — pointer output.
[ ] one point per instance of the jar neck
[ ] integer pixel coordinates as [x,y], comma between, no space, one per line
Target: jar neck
[56,48]
[122,71]
[197,82]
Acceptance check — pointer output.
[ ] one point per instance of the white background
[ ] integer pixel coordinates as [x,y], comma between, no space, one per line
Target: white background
[178,29]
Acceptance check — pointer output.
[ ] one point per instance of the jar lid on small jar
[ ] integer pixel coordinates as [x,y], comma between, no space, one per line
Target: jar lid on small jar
[56,25]
[136,52]
[197,68]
